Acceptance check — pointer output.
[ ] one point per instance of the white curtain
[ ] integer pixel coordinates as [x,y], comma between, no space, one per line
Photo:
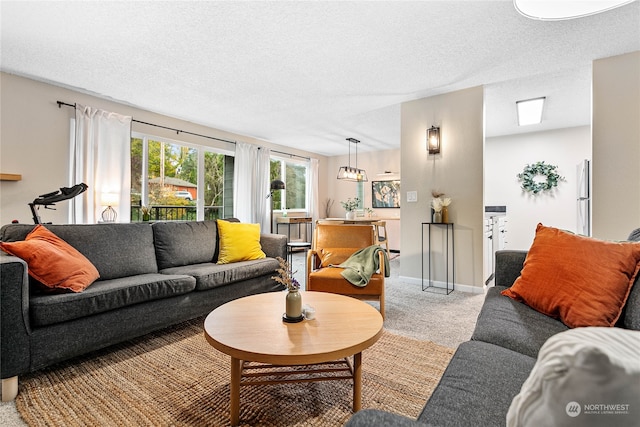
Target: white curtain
[261,202]
[251,185]
[101,158]
[312,194]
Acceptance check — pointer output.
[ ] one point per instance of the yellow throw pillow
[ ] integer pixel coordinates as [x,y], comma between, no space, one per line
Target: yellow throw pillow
[239,242]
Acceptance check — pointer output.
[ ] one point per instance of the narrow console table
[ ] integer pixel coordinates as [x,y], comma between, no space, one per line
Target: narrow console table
[289,220]
[448,228]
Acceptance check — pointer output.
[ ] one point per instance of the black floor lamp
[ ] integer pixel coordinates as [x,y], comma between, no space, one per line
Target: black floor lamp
[276,184]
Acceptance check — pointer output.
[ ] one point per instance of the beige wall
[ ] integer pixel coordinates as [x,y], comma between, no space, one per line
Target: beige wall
[34,142]
[616,146]
[456,171]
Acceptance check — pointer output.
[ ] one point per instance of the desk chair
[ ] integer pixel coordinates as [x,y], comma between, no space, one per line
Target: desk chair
[334,244]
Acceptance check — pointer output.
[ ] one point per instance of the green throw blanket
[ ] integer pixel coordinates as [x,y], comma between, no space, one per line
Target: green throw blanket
[360,266]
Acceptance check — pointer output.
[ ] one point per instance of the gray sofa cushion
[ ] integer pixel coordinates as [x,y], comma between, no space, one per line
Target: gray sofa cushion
[184,243]
[513,325]
[477,386]
[117,250]
[210,275]
[105,295]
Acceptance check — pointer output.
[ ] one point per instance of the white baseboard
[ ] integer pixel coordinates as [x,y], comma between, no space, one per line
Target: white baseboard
[439,284]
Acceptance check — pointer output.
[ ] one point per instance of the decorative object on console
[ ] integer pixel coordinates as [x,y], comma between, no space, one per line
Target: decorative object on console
[539,169]
[433,140]
[293,300]
[348,173]
[563,272]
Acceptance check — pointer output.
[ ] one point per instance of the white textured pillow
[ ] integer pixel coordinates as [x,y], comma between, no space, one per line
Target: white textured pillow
[583,377]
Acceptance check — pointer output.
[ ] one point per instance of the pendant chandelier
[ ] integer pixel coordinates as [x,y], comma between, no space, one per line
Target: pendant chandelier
[348,173]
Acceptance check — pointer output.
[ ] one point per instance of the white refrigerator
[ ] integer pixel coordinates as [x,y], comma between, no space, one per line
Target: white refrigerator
[583,198]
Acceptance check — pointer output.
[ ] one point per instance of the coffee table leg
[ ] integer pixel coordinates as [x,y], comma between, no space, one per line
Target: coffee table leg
[236,372]
[357,382]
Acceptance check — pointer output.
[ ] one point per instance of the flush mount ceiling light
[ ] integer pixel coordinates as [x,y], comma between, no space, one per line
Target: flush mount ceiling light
[557,10]
[348,173]
[530,111]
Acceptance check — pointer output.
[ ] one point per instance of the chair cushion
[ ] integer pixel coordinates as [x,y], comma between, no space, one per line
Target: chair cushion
[330,280]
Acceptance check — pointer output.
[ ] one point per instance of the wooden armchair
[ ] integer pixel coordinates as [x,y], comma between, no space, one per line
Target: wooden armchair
[334,244]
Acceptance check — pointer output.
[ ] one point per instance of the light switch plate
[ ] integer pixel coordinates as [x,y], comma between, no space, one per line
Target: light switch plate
[412,196]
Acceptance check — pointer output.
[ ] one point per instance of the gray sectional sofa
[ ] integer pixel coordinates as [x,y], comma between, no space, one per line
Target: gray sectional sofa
[151,276]
[488,371]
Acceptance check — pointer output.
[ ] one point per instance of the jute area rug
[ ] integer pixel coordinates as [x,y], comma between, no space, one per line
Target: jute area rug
[175,378]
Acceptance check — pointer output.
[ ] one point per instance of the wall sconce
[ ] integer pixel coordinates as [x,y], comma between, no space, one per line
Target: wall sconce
[433,140]
[110,200]
[348,173]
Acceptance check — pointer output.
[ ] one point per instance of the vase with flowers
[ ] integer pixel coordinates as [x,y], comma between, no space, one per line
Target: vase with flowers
[293,300]
[436,207]
[350,206]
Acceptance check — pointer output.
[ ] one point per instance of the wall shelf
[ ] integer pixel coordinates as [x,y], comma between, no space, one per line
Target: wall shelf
[10,177]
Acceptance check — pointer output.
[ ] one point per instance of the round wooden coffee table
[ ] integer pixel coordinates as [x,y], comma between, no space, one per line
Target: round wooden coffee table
[251,329]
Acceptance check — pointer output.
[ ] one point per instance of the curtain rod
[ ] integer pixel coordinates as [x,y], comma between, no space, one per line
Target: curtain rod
[178,131]
[290,155]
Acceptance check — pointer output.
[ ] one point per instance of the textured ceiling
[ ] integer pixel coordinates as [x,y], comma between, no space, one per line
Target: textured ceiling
[310,74]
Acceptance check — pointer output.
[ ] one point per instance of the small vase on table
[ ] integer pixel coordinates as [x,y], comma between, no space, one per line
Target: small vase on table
[445,214]
[293,299]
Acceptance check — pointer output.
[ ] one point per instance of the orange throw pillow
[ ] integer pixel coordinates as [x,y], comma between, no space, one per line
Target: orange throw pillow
[579,280]
[52,261]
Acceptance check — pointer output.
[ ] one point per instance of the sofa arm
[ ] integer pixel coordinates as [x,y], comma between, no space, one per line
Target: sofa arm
[274,245]
[14,316]
[375,417]
[509,264]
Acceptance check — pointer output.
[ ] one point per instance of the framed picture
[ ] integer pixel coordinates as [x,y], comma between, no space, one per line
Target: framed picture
[385,194]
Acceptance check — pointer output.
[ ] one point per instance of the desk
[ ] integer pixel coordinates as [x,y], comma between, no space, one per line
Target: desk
[288,220]
[449,246]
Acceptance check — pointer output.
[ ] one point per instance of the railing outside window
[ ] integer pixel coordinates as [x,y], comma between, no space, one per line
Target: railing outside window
[176,213]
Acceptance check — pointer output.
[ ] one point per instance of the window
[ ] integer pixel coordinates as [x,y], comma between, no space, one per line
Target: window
[294,174]
[179,181]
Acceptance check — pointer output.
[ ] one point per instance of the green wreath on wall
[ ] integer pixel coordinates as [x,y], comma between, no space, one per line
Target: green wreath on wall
[539,169]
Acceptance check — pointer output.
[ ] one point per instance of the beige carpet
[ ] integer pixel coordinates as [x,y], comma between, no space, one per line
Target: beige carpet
[176,378]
